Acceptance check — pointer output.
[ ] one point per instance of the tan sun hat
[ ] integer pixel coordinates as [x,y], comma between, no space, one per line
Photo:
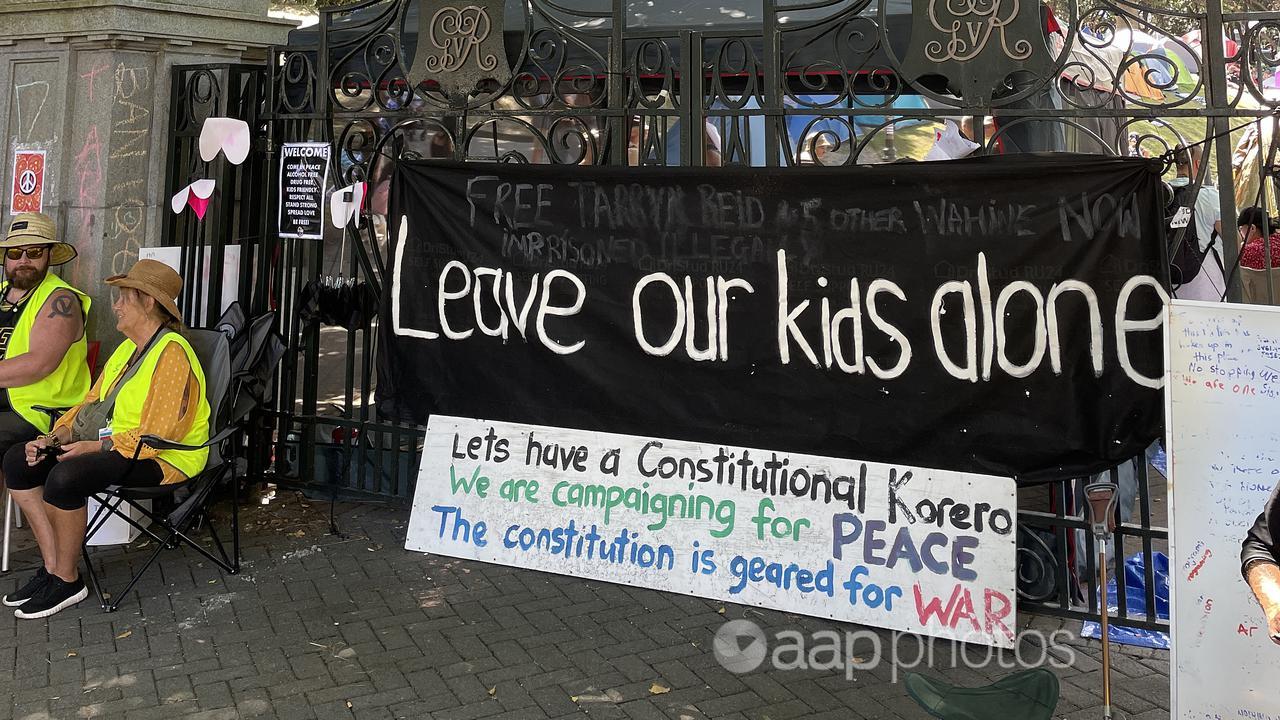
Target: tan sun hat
[37,229]
[155,279]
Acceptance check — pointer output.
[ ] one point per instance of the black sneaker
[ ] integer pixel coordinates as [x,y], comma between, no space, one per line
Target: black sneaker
[56,595]
[25,593]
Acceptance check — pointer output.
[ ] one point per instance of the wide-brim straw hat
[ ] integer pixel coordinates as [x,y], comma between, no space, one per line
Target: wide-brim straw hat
[37,229]
[155,279]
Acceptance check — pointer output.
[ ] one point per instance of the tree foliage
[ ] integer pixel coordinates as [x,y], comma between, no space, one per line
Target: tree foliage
[308,6]
[1166,15]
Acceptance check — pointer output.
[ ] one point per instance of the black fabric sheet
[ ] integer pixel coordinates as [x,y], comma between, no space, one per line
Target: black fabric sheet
[1061,254]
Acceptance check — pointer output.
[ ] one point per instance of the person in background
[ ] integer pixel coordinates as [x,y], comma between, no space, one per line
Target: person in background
[44,351]
[1247,166]
[1210,283]
[1260,562]
[151,385]
[637,131]
[1254,275]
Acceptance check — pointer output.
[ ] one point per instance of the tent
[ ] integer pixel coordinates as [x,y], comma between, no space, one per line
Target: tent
[1194,42]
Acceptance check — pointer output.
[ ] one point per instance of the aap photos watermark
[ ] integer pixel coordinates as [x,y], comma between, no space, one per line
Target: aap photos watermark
[742,646]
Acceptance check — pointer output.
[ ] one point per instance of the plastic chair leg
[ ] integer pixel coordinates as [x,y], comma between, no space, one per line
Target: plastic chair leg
[8,510]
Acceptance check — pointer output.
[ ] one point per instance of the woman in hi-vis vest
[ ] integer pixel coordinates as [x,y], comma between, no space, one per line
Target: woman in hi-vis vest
[152,385]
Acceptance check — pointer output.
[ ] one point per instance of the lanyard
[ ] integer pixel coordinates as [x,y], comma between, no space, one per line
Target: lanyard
[4,298]
[137,356]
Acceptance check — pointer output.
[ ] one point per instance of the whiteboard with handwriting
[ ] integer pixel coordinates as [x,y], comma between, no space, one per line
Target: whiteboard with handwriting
[1224,458]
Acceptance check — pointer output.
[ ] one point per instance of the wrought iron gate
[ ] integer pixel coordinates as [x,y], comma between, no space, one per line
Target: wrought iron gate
[602,81]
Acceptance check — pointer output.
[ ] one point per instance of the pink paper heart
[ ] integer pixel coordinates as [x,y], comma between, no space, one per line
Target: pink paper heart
[199,205]
[228,135]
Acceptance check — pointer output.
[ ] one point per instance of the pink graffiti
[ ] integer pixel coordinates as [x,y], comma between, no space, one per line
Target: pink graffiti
[89,166]
[92,76]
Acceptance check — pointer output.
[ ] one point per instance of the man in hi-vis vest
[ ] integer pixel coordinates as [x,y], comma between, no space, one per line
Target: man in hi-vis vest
[42,341]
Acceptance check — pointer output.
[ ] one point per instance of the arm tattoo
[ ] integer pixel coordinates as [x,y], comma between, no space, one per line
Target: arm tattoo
[61,306]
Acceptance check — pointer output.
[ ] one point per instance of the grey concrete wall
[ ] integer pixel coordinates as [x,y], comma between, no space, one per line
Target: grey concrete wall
[88,82]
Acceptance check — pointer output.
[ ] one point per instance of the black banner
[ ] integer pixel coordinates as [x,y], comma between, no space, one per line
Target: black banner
[996,315]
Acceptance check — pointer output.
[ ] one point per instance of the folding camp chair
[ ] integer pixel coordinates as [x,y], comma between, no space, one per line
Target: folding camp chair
[168,531]
[256,349]
[1026,695]
[238,359]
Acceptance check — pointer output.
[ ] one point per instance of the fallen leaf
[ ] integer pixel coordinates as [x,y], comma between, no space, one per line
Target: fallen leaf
[573,698]
[721,611]
[493,691]
[348,704]
[124,634]
[656,689]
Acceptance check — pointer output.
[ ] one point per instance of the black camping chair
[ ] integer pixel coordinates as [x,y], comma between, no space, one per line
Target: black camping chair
[256,350]
[256,347]
[171,530]
[1026,695]
[231,323]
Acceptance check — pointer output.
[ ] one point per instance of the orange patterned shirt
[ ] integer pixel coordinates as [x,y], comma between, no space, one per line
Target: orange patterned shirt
[168,411]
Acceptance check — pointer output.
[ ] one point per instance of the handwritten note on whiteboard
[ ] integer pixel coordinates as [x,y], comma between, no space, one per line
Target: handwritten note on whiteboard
[1224,449]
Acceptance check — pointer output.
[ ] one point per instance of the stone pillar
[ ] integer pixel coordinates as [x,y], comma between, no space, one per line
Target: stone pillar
[89,84]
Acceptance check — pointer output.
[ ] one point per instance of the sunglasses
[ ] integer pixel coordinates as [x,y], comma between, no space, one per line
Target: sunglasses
[33,253]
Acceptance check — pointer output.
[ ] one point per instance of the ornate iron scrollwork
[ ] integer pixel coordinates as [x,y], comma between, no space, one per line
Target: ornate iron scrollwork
[988,51]
[460,48]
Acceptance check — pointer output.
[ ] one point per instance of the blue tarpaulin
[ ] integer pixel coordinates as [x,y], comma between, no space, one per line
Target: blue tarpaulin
[1158,459]
[1136,604]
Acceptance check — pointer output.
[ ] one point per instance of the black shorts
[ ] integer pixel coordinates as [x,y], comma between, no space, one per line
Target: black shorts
[14,430]
[68,484]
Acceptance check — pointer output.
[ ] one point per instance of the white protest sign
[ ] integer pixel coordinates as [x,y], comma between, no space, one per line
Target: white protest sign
[894,546]
[172,256]
[1224,459]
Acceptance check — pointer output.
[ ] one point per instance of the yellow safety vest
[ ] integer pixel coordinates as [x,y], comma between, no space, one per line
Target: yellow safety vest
[133,395]
[69,383]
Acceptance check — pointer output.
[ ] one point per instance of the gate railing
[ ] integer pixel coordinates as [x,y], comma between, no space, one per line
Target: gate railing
[800,84]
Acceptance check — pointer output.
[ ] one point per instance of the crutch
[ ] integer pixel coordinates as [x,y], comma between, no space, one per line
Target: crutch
[1101,499]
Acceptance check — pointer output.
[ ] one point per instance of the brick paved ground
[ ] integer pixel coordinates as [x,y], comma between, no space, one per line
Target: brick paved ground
[322,626]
